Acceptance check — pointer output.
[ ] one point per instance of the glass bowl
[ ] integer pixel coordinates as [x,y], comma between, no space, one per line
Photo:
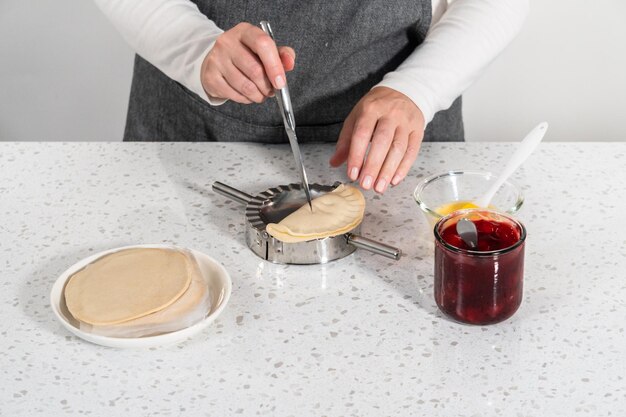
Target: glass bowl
[436,192]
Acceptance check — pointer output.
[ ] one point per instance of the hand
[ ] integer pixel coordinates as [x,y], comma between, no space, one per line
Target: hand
[395,127]
[245,65]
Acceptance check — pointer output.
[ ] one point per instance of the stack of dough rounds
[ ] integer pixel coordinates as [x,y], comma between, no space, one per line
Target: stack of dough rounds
[333,214]
[138,292]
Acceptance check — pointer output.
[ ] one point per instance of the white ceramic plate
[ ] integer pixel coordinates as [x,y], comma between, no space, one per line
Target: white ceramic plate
[219,284]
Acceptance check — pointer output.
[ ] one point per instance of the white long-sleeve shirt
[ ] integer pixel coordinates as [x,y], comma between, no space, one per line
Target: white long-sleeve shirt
[464,37]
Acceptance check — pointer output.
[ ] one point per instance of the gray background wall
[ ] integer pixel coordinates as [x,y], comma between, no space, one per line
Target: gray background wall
[65,74]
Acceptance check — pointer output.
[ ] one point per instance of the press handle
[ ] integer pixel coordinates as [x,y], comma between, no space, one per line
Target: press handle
[374,246]
[232,193]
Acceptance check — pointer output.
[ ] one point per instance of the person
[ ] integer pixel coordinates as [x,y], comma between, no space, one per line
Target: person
[375,76]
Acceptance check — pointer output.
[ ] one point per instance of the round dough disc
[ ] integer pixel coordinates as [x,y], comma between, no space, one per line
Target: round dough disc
[127,284]
[173,317]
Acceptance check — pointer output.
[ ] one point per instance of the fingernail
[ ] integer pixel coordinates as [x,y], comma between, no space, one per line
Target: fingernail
[381,185]
[354,173]
[396,179]
[280,81]
[367,182]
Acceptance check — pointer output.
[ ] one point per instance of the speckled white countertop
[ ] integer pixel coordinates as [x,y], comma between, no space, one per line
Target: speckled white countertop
[357,337]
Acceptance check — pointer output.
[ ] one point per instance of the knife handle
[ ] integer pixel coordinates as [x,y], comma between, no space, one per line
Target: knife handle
[282,94]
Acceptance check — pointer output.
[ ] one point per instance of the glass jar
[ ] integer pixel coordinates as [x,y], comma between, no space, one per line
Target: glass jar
[481,285]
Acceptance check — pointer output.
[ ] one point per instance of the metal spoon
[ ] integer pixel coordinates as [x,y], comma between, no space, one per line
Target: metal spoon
[467,230]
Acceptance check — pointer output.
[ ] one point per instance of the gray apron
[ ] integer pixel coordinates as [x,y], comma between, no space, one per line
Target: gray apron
[343,48]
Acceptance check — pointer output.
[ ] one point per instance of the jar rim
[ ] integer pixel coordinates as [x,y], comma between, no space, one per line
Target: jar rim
[471,252]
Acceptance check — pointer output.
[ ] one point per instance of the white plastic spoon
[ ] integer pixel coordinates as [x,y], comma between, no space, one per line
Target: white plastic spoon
[525,148]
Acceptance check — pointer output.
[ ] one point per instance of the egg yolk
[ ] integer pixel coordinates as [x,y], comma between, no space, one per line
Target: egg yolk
[446,209]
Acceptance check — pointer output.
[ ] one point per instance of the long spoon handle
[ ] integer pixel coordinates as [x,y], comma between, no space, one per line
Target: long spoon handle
[525,148]
[373,246]
[232,193]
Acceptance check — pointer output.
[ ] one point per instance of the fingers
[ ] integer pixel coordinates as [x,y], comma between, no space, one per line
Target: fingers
[359,141]
[413,148]
[381,141]
[242,84]
[343,146]
[265,48]
[288,57]
[388,123]
[224,89]
[250,63]
[395,155]
[252,68]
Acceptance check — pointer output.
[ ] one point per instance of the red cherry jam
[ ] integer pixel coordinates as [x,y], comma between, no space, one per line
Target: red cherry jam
[492,235]
[481,285]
